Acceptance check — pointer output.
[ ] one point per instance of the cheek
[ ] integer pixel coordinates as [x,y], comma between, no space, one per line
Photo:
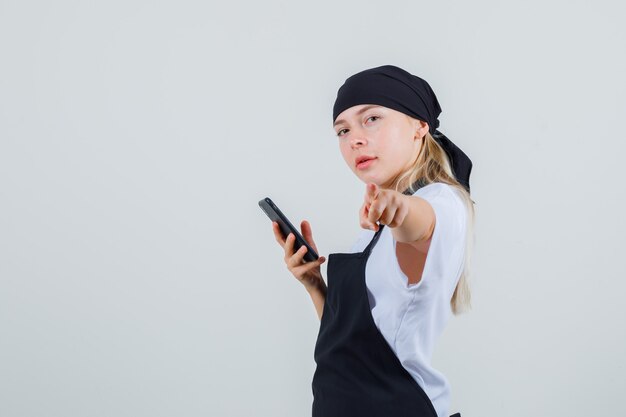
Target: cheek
[344,152]
[397,153]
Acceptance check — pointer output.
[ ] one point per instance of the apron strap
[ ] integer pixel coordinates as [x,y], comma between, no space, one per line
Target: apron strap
[374,239]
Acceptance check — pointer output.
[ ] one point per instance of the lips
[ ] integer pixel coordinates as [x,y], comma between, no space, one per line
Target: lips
[364,161]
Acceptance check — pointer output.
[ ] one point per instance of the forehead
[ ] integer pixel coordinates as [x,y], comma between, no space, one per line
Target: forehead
[356,111]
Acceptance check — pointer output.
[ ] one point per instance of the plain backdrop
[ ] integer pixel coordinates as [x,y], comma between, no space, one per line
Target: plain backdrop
[139,277]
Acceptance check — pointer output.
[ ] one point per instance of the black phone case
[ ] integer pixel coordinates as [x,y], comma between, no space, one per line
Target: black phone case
[274,213]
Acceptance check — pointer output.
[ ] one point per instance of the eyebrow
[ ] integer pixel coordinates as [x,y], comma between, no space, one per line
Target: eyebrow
[363,110]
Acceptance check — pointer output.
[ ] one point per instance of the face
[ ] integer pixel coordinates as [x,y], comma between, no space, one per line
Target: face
[391,138]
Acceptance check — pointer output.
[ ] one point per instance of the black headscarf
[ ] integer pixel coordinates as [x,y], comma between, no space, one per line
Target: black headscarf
[397,89]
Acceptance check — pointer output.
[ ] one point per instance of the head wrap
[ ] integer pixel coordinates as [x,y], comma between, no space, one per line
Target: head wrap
[397,89]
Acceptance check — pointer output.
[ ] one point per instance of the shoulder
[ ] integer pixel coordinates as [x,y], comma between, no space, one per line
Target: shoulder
[439,191]
[436,188]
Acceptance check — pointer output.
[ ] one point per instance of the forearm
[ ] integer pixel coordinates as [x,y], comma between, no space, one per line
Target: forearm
[418,224]
[318,296]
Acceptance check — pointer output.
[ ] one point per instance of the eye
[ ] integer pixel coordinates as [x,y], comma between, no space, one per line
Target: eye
[371,117]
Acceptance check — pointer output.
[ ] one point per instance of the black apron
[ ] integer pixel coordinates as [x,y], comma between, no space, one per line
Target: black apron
[357,373]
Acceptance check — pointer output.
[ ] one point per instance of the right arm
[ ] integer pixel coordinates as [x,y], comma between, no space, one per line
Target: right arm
[308,273]
[318,296]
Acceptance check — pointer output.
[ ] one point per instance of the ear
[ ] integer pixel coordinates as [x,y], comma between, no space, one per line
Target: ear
[421,128]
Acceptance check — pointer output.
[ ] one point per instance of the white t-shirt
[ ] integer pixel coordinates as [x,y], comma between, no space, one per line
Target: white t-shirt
[411,317]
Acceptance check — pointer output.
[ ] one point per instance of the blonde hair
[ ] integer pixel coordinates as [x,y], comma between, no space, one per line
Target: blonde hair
[432,165]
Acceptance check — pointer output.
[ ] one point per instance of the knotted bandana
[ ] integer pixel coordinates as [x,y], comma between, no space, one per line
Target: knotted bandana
[397,89]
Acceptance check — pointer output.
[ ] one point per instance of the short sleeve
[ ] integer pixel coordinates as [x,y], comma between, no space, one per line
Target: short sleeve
[450,214]
[447,247]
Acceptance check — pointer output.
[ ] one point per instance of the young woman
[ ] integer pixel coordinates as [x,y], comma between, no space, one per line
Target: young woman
[389,299]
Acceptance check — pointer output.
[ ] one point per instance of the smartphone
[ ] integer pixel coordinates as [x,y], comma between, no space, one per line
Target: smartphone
[274,213]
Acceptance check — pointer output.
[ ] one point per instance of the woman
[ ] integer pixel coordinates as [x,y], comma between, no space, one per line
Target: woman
[389,299]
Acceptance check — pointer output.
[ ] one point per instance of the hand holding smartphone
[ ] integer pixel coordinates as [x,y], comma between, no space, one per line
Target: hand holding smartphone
[274,213]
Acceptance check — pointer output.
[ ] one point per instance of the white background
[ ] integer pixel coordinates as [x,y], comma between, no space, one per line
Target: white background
[139,277]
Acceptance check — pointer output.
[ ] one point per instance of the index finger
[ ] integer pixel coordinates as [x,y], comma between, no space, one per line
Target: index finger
[371,192]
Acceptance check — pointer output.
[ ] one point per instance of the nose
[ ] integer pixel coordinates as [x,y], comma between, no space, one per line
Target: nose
[357,137]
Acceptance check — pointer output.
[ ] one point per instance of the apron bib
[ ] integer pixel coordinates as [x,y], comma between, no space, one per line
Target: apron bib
[357,372]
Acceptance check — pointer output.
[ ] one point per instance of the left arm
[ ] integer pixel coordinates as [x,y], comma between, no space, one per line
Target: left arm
[419,223]
[410,218]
